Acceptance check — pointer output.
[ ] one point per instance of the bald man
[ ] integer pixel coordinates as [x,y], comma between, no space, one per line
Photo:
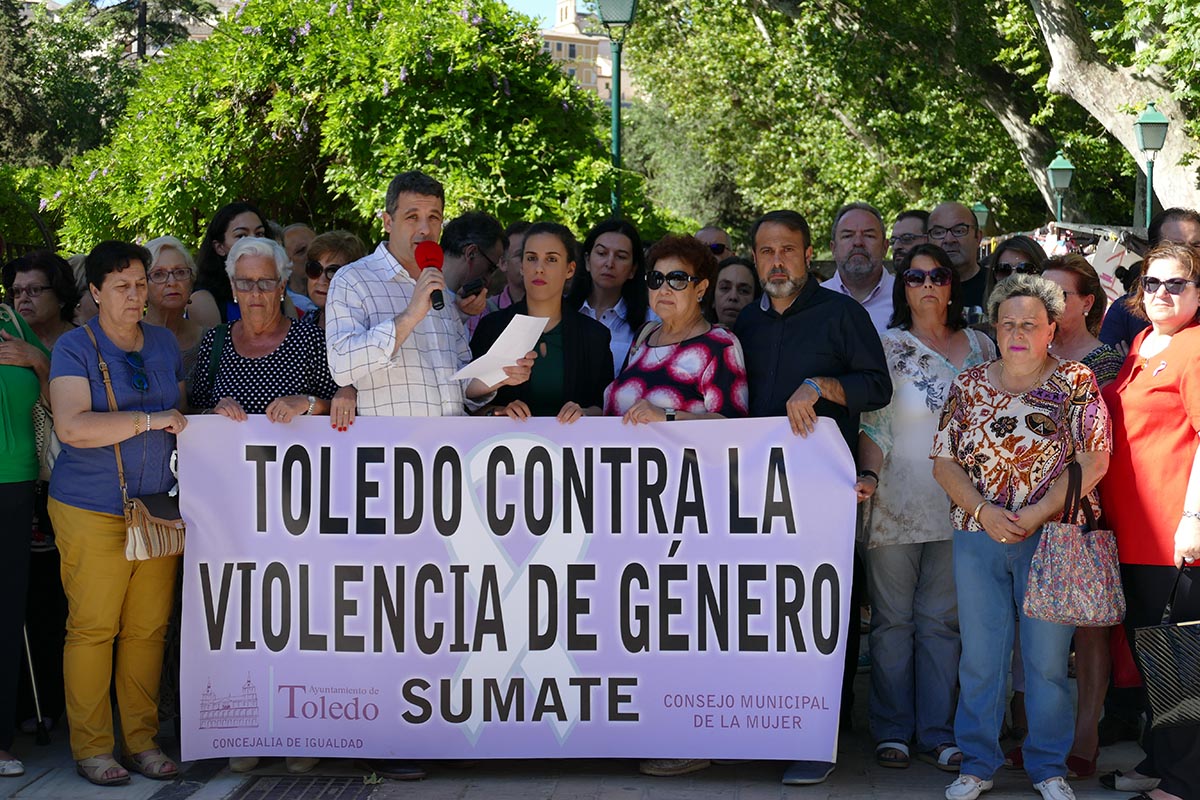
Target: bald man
[717,240]
[953,228]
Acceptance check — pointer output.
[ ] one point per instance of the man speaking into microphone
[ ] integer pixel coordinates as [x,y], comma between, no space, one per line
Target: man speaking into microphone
[392,333]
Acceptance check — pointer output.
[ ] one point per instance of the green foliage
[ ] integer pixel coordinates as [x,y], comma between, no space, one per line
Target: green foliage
[166,21]
[829,103]
[309,108]
[19,215]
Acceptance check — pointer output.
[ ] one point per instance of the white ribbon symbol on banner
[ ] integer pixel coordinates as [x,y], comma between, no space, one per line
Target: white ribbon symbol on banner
[555,550]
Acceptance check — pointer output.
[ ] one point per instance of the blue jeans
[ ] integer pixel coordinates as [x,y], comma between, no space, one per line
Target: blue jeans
[914,643]
[991,579]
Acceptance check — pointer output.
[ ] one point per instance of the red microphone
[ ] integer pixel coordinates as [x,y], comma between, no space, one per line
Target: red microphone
[429,255]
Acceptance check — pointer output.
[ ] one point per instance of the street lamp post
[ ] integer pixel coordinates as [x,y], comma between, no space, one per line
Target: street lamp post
[617,16]
[1151,132]
[1060,172]
[981,213]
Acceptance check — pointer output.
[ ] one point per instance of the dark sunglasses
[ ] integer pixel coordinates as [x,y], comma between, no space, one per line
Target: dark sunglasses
[914,278]
[140,381]
[314,270]
[718,248]
[1023,267]
[1174,285]
[677,280]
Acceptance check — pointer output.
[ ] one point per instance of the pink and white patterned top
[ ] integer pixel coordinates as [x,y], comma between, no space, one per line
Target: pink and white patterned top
[704,374]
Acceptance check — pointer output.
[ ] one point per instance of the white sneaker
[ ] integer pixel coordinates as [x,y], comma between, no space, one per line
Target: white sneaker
[1055,788]
[967,787]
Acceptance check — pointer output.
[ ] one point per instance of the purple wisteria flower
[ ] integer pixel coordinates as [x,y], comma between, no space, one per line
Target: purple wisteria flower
[403,74]
[333,8]
[387,87]
[57,195]
[429,56]
[507,89]
[92,177]
[476,20]
[305,29]
[43,204]
[240,8]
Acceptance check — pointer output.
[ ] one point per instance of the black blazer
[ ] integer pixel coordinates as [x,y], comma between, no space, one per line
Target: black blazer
[587,360]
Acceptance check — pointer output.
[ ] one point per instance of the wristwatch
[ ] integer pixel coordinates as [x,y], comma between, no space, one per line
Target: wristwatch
[312,403]
[670,412]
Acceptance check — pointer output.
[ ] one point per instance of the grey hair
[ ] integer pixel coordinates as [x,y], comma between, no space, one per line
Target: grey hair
[255,246]
[1044,290]
[157,245]
[846,209]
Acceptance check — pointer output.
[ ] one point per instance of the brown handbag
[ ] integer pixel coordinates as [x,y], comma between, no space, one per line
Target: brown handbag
[153,525]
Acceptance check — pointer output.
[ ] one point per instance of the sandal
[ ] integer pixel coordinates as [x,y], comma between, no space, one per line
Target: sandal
[154,764]
[942,757]
[899,759]
[96,769]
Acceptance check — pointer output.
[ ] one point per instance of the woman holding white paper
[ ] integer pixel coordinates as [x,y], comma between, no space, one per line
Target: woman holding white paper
[574,362]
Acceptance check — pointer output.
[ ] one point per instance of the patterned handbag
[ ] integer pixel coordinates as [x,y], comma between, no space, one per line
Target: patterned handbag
[1169,657]
[1075,578]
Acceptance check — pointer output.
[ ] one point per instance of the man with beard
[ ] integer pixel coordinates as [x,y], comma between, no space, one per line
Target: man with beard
[858,247]
[810,352]
[953,228]
[908,231]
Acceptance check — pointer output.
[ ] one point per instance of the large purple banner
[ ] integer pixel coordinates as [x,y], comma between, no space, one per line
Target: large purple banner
[481,588]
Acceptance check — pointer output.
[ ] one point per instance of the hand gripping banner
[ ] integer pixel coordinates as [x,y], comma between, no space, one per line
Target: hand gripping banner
[483,588]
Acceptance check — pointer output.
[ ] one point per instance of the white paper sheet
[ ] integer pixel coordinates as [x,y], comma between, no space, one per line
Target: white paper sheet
[517,339]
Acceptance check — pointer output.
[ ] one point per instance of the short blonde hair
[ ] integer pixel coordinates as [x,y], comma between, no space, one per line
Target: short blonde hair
[157,245]
[1044,290]
[255,246]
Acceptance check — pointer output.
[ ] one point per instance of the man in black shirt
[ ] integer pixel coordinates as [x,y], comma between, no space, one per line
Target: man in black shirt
[809,353]
[952,227]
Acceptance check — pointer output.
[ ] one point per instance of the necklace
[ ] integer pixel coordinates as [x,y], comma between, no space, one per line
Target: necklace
[1036,373]
[686,334]
[928,343]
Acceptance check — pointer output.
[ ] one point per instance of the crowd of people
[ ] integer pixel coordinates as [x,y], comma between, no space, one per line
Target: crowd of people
[968,393]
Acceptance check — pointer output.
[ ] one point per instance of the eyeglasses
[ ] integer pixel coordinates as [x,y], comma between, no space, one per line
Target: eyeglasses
[492,265]
[314,270]
[718,248]
[264,285]
[1174,286]
[34,292]
[908,238]
[163,275]
[1023,267]
[677,280]
[140,381]
[939,276]
[960,230]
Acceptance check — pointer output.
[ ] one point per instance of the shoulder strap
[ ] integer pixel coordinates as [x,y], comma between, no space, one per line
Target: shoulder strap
[644,334]
[112,406]
[214,355]
[1074,490]
[7,313]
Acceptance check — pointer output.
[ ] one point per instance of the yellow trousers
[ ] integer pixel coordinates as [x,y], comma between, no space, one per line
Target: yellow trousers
[110,598]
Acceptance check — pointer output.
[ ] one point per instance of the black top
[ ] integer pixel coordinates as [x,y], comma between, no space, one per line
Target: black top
[587,360]
[297,366]
[821,334]
[974,291]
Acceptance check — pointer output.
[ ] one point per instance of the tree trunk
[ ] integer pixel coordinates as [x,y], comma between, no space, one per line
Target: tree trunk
[1078,71]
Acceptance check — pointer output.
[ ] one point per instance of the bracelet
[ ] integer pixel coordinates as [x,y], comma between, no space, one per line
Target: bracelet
[869,473]
[975,513]
[137,423]
[816,387]
[147,422]
[1192,514]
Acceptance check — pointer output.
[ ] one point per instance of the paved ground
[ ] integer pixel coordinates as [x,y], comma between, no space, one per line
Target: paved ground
[51,776]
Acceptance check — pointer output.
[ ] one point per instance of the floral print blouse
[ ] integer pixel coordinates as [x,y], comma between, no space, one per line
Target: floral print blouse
[909,507]
[1014,446]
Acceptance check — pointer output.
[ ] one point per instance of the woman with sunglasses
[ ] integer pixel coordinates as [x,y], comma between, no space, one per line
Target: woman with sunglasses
[609,289]
[574,363]
[110,598]
[328,253]
[1152,491]
[682,367]
[266,363]
[171,276]
[1018,255]
[910,557]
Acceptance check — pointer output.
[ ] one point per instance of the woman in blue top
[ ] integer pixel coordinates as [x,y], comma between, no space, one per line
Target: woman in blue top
[108,597]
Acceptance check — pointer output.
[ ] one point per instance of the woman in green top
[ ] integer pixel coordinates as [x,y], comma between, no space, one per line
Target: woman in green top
[24,370]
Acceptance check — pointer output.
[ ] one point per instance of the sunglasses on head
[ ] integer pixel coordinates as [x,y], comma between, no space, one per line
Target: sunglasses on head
[1024,267]
[314,270]
[914,278]
[1174,285]
[677,280]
